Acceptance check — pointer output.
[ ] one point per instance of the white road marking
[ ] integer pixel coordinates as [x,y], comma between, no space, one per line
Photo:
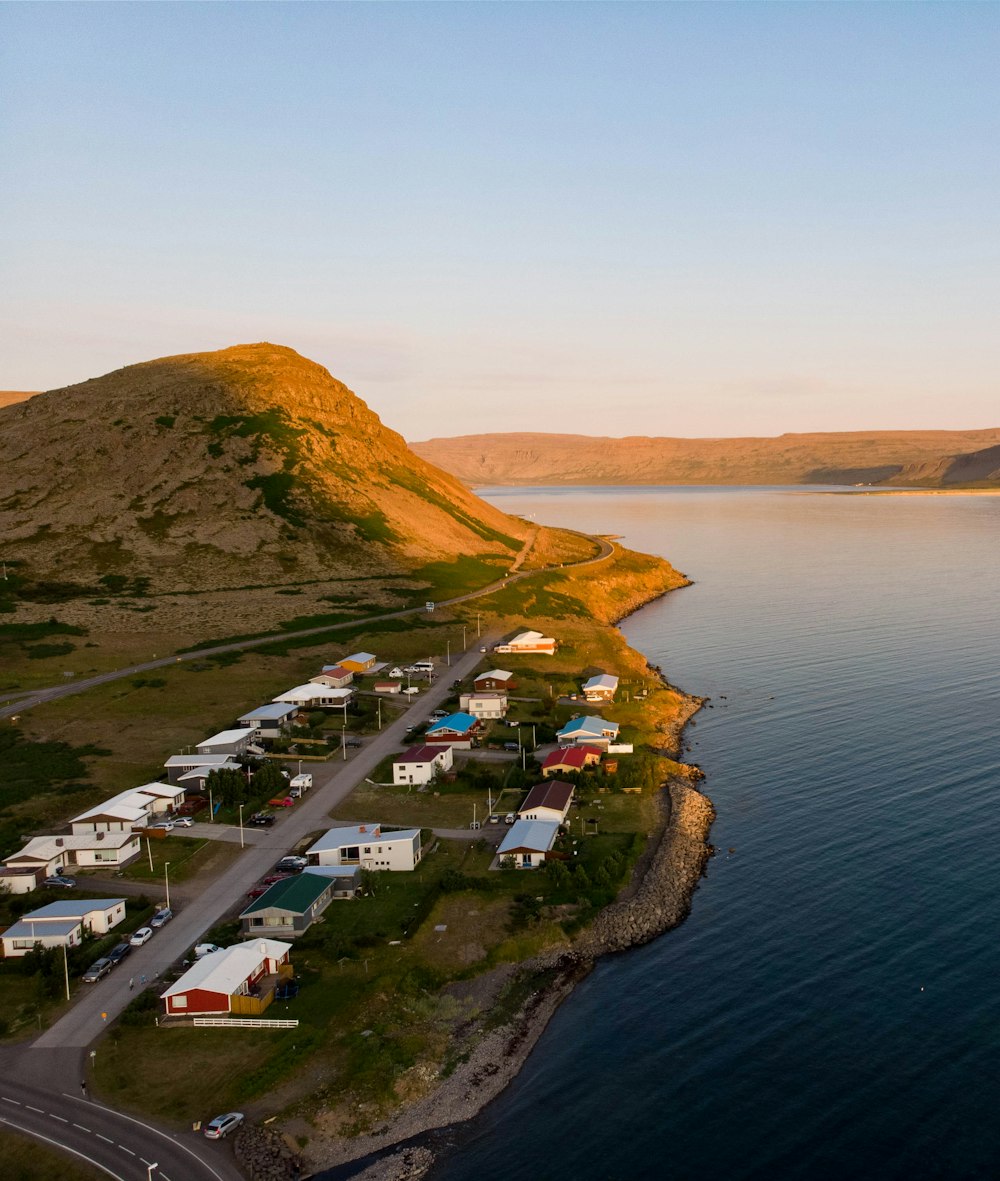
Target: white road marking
[52,1115]
[128,1150]
[106,1139]
[64,1148]
[171,1139]
[8,1100]
[81,1127]
[38,1109]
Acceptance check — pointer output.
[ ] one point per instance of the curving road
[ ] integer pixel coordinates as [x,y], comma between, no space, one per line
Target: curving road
[54,692]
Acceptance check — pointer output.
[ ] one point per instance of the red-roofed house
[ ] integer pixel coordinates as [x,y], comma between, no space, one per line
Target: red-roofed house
[334,676]
[547,801]
[570,759]
[421,763]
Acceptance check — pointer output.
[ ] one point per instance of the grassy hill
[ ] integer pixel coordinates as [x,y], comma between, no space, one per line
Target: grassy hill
[251,465]
[856,457]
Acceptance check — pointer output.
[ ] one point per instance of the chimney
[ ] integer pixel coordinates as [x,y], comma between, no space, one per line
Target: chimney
[361,828]
[59,842]
[101,836]
[377,830]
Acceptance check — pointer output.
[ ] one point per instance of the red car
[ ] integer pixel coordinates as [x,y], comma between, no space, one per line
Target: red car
[274,877]
[286,802]
[256,892]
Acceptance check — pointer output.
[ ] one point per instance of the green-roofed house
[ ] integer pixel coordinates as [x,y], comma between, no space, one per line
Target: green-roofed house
[290,907]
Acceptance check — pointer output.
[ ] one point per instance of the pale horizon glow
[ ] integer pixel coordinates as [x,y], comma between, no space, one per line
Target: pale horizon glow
[693,220]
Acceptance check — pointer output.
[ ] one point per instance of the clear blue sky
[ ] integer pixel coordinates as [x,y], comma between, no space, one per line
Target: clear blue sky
[691,219]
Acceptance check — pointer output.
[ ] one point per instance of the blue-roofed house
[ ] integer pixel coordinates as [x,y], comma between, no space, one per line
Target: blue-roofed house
[528,843]
[62,924]
[271,720]
[458,725]
[590,730]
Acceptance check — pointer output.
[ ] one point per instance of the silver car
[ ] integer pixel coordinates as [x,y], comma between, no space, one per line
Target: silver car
[222,1125]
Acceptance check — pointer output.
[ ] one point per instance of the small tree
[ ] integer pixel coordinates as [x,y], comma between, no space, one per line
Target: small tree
[228,786]
[268,780]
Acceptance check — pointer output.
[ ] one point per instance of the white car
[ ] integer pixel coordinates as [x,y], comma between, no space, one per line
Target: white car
[143,935]
[205,949]
[222,1125]
[166,825]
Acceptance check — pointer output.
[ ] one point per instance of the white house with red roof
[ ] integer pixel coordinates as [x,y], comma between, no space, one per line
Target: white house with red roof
[420,764]
[550,800]
[568,760]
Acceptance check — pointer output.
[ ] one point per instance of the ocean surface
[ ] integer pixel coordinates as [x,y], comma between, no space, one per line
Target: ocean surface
[831,1008]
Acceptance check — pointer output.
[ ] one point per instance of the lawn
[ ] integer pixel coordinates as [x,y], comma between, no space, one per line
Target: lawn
[25,1159]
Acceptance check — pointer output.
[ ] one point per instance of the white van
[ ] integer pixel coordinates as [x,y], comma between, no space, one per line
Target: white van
[300,785]
[423,666]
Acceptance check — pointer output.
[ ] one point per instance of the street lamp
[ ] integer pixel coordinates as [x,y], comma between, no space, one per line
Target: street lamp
[242,845]
[379,713]
[463,638]
[448,656]
[166,879]
[149,1170]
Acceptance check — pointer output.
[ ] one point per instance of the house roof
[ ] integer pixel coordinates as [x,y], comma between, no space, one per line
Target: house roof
[495,674]
[162,790]
[571,756]
[333,871]
[310,691]
[295,894]
[531,836]
[135,800]
[589,725]
[202,772]
[359,834]
[197,760]
[553,793]
[418,754]
[222,971]
[602,681]
[360,657]
[75,908]
[26,929]
[459,723]
[486,695]
[336,670]
[275,711]
[224,737]
[114,811]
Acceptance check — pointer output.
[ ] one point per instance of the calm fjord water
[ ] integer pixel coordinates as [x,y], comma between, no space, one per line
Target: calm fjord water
[831,1009]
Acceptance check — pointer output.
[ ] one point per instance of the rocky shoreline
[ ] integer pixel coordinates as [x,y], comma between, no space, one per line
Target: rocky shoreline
[658,899]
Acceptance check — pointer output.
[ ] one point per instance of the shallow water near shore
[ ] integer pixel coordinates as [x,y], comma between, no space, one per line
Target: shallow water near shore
[830,1008]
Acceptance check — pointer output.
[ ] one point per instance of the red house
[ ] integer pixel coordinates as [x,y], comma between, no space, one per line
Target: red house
[240,980]
[569,759]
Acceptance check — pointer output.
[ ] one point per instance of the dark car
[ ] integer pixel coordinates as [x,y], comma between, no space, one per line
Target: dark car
[96,970]
[119,952]
[354,742]
[262,819]
[292,864]
[57,879]
[287,990]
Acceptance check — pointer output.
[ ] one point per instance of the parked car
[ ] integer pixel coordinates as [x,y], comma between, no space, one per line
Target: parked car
[203,949]
[512,746]
[354,742]
[57,879]
[161,917]
[287,990]
[510,818]
[262,819]
[281,802]
[513,725]
[292,862]
[272,878]
[222,1125]
[166,825]
[183,822]
[439,713]
[143,935]
[256,892]
[97,970]
[119,952]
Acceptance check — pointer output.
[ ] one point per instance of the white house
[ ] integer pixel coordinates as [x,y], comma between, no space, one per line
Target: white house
[271,720]
[547,801]
[497,680]
[314,696]
[529,641]
[528,843]
[129,809]
[62,924]
[49,853]
[367,846]
[484,705]
[195,779]
[421,763]
[228,742]
[603,687]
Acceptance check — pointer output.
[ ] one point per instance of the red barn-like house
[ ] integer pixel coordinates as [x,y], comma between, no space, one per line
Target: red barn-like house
[240,980]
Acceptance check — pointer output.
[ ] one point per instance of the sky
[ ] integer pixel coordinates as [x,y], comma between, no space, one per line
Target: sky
[695,219]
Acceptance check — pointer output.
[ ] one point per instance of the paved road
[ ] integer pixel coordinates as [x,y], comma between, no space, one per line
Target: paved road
[54,692]
[36,1098]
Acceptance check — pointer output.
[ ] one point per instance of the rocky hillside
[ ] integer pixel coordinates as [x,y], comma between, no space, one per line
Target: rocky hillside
[9,397]
[864,457]
[246,466]
[975,468]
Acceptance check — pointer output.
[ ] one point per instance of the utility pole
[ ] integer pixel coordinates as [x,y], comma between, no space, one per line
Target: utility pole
[242,845]
[66,969]
[448,656]
[343,742]
[464,645]
[211,807]
[478,629]
[166,879]
[379,716]
[149,853]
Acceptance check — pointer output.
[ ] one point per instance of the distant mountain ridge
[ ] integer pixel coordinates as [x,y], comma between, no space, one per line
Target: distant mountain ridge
[855,457]
[240,467]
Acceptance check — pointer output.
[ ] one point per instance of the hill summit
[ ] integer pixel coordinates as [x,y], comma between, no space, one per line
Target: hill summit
[241,467]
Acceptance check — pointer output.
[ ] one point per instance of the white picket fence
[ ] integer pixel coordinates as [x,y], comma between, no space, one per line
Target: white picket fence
[620,748]
[247,1022]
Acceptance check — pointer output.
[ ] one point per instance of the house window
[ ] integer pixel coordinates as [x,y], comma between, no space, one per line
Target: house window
[105,854]
[178,1002]
[368,849]
[526,860]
